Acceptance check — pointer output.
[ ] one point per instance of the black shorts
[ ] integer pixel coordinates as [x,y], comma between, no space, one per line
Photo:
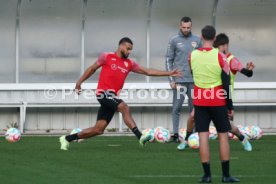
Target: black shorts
[218,114]
[109,105]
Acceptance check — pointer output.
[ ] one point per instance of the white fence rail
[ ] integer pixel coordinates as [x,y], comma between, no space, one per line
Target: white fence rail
[256,102]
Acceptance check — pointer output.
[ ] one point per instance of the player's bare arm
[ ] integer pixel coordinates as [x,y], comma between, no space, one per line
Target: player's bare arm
[89,71]
[154,72]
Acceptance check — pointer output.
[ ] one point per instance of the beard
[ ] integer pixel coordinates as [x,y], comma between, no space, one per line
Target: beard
[186,33]
[125,56]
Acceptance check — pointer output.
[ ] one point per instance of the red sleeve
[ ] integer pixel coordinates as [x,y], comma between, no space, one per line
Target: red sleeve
[135,66]
[223,62]
[102,59]
[235,65]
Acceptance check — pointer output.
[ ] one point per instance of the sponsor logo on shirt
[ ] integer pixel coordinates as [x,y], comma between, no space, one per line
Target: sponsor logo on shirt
[123,70]
[180,45]
[115,67]
[113,59]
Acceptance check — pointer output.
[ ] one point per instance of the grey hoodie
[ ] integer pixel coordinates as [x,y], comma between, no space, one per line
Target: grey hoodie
[179,49]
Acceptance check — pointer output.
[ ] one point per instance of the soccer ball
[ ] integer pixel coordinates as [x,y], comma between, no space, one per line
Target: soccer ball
[149,131]
[13,135]
[193,141]
[212,133]
[182,134]
[246,132]
[260,132]
[75,131]
[255,132]
[161,135]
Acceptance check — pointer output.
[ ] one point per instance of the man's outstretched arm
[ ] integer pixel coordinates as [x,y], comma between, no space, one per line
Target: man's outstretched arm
[89,71]
[154,72]
[236,65]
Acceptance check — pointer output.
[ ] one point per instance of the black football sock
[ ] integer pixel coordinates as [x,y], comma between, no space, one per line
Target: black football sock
[241,137]
[175,136]
[72,137]
[188,135]
[206,169]
[137,132]
[225,168]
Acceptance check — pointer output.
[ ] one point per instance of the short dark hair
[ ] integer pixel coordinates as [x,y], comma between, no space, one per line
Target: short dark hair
[208,32]
[125,39]
[186,19]
[221,39]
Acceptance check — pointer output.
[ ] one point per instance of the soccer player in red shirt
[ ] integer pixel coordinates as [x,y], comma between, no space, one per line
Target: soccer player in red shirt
[212,102]
[222,43]
[115,68]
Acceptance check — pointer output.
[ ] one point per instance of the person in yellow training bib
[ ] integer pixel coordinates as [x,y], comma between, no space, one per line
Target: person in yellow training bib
[222,43]
[212,102]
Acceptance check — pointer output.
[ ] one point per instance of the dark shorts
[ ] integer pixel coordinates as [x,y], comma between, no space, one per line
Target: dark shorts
[109,105]
[217,114]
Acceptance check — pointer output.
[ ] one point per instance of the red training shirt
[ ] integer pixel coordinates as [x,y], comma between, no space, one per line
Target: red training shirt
[114,71]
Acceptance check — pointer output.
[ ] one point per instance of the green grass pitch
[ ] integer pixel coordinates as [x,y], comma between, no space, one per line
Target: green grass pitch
[120,160]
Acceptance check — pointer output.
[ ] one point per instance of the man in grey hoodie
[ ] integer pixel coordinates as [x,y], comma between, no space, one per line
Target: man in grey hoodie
[179,48]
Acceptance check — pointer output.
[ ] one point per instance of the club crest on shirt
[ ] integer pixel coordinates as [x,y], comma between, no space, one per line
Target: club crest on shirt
[126,63]
[194,44]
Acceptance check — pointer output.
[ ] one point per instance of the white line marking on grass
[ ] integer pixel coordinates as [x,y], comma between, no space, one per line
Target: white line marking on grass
[114,140]
[198,176]
[164,176]
[114,145]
